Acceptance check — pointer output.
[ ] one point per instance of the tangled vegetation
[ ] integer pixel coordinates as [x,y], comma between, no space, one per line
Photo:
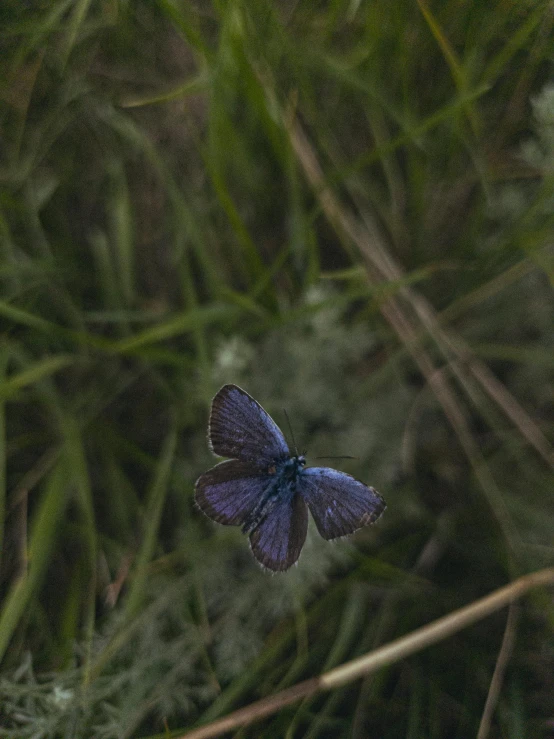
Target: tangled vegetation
[346,208]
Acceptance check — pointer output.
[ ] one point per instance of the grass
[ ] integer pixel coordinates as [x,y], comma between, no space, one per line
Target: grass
[346,208]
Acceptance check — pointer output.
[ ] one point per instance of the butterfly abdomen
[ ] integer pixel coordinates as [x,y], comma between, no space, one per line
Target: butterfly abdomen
[263,508]
[281,489]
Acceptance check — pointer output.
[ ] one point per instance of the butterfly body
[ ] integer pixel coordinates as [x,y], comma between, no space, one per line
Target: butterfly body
[267,491]
[281,489]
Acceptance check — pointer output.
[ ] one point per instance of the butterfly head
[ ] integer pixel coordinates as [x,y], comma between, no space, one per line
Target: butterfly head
[292,467]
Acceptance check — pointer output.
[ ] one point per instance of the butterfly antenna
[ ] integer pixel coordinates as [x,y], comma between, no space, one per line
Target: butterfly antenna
[291,434]
[344,456]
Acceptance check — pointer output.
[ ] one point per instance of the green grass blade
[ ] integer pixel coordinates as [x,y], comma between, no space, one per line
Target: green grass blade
[153,512]
[122,233]
[78,472]
[44,531]
[38,371]
[76,20]
[3,447]
[182,323]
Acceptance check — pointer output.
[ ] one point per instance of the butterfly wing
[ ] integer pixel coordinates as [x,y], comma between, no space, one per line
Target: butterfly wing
[339,503]
[278,540]
[229,491]
[240,428]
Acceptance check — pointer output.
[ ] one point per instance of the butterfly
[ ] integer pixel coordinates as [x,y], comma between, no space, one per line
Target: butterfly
[267,491]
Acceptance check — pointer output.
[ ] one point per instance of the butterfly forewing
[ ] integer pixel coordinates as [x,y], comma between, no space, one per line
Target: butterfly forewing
[339,503]
[240,428]
[229,491]
[278,540]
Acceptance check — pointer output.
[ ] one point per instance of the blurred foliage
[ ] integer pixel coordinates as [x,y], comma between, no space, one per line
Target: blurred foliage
[159,236]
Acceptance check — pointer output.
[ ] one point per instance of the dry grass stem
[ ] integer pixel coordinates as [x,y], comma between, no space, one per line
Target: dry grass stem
[390,653]
[381,266]
[499,671]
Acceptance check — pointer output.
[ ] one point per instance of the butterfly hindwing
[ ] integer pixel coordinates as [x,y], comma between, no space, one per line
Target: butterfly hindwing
[278,540]
[240,428]
[339,503]
[229,491]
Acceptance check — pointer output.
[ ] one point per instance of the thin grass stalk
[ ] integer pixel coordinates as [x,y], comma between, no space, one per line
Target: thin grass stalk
[154,507]
[504,655]
[80,478]
[456,69]
[43,534]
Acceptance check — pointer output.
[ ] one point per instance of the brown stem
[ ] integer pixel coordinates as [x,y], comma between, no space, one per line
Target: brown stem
[381,657]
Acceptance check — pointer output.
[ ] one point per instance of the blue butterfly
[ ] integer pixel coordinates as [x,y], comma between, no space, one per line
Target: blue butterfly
[267,491]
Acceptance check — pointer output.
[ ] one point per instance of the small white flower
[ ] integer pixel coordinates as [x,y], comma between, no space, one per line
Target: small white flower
[61,697]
